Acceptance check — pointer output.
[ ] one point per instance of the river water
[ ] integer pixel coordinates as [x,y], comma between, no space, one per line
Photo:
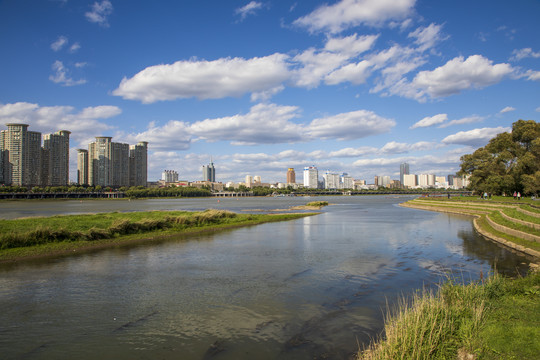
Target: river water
[309,288]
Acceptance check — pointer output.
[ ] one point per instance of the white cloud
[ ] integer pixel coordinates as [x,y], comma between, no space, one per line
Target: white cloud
[524,53]
[352,45]
[465,120]
[264,124]
[460,74]
[48,119]
[354,73]
[59,43]
[352,125]
[61,75]
[427,37]
[507,109]
[353,152]
[533,75]
[100,13]
[174,135]
[400,148]
[349,13]
[249,9]
[476,137]
[74,48]
[430,121]
[315,65]
[538,109]
[205,79]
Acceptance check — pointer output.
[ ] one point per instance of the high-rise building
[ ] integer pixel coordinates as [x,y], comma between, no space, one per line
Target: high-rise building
[56,159]
[257,180]
[311,177]
[331,180]
[347,182]
[209,172]
[82,167]
[115,164]
[169,176]
[249,181]
[409,180]
[138,164]
[403,170]
[26,163]
[291,176]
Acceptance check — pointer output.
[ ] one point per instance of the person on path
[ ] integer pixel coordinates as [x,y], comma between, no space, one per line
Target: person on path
[515,194]
[519,195]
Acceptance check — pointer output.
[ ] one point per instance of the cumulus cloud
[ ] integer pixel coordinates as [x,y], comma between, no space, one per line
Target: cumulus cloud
[249,9]
[264,124]
[61,75]
[349,13]
[533,75]
[460,74]
[524,53]
[226,77]
[59,43]
[476,137]
[48,119]
[353,152]
[507,109]
[351,125]
[100,13]
[430,121]
[174,135]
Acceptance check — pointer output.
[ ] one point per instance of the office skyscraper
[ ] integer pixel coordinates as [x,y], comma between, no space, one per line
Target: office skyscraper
[403,170]
[209,172]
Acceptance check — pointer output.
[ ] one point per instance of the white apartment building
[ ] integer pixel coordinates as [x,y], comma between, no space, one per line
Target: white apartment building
[409,180]
[331,180]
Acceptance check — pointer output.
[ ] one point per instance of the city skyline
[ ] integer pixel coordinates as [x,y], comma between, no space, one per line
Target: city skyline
[262,86]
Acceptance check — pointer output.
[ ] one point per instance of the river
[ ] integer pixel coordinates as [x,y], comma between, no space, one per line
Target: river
[303,289]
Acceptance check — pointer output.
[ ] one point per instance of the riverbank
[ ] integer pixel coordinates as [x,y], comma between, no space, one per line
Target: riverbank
[31,238]
[511,223]
[493,318]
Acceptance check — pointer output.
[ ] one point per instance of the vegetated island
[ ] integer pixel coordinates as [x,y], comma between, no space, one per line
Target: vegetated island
[29,238]
[493,318]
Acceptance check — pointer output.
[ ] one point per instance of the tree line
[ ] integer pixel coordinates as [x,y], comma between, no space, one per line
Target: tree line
[509,163]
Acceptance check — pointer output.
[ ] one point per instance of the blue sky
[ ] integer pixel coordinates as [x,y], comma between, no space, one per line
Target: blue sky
[356,86]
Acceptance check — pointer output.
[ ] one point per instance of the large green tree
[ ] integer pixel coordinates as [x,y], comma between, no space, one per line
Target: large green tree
[509,162]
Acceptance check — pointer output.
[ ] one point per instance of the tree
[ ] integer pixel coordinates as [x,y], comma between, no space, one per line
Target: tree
[509,162]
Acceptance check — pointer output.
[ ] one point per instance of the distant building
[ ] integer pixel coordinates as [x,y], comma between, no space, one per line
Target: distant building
[331,181]
[55,160]
[257,180]
[291,176]
[169,176]
[311,177]
[209,172]
[346,181]
[249,181]
[409,180]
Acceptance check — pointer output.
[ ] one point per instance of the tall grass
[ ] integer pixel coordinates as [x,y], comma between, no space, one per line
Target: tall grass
[435,324]
[120,227]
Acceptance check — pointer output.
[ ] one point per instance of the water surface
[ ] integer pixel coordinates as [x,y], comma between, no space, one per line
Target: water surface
[302,289]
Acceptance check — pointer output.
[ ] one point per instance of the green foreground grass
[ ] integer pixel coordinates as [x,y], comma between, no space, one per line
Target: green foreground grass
[60,235]
[496,318]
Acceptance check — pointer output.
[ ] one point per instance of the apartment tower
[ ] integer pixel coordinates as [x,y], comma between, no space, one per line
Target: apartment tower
[291,176]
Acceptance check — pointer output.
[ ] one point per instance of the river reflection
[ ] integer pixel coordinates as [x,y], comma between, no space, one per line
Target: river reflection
[303,289]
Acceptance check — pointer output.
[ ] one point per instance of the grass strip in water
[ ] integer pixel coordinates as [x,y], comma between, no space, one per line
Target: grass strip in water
[496,318]
[35,237]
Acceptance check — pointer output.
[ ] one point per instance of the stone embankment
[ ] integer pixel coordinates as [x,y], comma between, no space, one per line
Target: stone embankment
[526,228]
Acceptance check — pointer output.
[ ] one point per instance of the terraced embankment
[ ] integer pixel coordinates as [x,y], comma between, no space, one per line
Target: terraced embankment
[516,226]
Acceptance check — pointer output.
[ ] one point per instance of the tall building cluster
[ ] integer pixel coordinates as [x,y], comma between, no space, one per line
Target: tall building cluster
[107,163]
[24,161]
[209,172]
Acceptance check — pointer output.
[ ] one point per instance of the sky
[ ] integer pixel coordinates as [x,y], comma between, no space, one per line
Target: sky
[257,87]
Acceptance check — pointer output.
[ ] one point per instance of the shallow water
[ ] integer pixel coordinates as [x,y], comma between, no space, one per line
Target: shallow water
[302,289]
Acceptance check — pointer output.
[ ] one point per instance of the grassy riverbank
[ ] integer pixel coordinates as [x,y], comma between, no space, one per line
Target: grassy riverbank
[496,318]
[59,235]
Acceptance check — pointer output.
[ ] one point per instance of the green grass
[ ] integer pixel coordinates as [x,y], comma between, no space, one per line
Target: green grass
[60,234]
[521,216]
[497,318]
[497,217]
[317,203]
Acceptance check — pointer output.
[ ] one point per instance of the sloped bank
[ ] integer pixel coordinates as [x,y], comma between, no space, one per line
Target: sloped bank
[483,223]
